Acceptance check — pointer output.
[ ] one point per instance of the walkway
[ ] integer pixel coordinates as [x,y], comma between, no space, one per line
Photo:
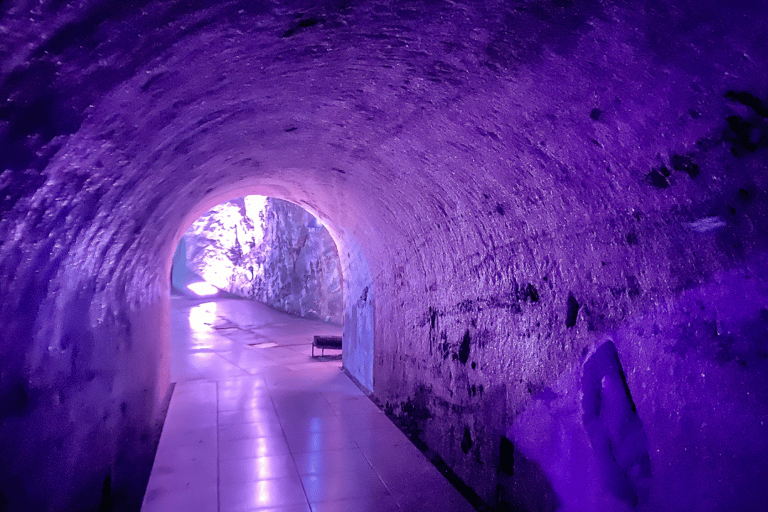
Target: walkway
[256,424]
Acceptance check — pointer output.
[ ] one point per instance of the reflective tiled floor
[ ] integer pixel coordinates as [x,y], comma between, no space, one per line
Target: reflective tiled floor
[256,424]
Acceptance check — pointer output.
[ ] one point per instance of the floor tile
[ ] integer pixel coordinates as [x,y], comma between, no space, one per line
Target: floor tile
[191,434]
[298,405]
[368,421]
[257,468]
[272,429]
[178,456]
[434,502]
[355,406]
[234,431]
[331,461]
[385,435]
[415,481]
[335,486]
[259,447]
[249,382]
[395,456]
[303,507]
[247,416]
[312,424]
[264,493]
[367,504]
[234,401]
[319,441]
[197,499]
[186,414]
[182,477]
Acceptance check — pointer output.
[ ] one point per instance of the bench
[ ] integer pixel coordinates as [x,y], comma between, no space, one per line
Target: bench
[324,342]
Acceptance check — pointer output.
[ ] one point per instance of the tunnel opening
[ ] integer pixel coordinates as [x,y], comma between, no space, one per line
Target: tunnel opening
[262,249]
[257,243]
[219,368]
[250,274]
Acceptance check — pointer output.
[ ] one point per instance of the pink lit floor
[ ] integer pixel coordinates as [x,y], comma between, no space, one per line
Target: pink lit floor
[256,424]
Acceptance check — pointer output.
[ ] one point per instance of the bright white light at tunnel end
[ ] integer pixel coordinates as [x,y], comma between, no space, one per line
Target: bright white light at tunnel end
[203,289]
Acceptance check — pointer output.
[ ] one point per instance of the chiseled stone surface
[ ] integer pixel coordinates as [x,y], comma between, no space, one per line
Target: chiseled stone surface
[511,186]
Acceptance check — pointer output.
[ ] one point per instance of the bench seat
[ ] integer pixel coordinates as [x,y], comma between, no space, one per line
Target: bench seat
[324,342]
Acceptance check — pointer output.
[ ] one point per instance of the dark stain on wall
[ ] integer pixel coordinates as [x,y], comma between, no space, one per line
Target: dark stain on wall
[432,318]
[522,484]
[531,293]
[572,311]
[466,441]
[14,395]
[633,286]
[107,501]
[34,118]
[437,338]
[490,135]
[748,100]
[657,178]
[506,456]
[748,131]
[510,301]
[302,24]
[463,354]
[745,135]
[414,412]
[684,163]
[534,387]
[744,195]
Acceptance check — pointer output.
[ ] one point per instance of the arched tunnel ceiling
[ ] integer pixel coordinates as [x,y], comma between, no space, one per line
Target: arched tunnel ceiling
[527,175]
[338,104]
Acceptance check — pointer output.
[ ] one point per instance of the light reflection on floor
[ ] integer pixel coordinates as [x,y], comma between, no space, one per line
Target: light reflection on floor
[274,429]
[202,317]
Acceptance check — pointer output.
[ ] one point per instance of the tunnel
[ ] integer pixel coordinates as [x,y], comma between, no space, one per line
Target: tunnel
[550,214]
[262,249]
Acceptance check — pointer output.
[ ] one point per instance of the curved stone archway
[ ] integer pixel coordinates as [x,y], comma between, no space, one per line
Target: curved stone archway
[265,249]
[356,276]
[558,205]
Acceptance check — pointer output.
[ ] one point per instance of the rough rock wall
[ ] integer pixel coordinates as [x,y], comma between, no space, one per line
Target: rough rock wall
[302,273]
[530,198]
[272,251]
[225,245]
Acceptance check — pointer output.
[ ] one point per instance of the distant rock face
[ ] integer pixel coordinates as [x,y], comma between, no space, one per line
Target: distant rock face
[271,251]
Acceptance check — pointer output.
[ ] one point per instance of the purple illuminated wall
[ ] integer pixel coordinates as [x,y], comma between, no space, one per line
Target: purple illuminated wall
[551,218]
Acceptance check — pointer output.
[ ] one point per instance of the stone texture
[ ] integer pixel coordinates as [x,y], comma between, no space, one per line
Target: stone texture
[268,250]
[510,184]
